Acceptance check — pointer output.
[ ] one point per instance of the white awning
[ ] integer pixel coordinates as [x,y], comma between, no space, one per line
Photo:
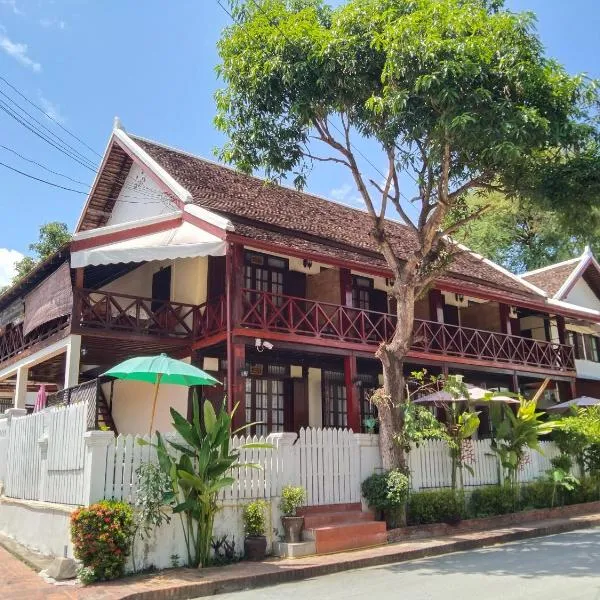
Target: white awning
[183,241]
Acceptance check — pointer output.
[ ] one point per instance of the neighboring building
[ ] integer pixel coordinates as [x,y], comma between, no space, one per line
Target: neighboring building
[576,281]
[281,294]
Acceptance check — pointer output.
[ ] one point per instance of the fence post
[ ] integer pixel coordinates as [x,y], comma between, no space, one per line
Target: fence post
[288,463]
[96,451]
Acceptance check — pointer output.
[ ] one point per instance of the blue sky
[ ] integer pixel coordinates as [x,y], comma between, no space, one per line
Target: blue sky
[152,64]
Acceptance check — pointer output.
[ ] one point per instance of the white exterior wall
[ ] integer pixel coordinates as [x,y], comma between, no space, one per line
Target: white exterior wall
[583,295]
[140,198]
[132,405]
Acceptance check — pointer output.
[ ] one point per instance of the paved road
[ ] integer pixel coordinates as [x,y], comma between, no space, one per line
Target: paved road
[559,567]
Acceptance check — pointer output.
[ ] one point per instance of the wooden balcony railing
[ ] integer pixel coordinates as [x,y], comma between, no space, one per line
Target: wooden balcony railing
[112,311]
[310,318]
[13,342]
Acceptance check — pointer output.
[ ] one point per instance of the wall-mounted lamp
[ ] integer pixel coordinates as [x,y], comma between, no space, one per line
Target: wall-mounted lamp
[307,263]
[244,373]
[261,344]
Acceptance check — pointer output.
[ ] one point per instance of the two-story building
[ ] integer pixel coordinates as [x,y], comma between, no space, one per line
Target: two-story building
[281,294]
[576,281]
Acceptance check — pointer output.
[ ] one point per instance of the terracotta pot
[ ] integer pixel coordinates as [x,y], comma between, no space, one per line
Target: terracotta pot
[292,527]
[255,547]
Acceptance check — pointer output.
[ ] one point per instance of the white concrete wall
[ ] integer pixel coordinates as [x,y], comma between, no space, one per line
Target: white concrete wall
[41,526]
[140,198]
[583,295]
[132,405]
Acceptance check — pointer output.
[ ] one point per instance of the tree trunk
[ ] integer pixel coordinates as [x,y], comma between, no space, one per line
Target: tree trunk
[392,357]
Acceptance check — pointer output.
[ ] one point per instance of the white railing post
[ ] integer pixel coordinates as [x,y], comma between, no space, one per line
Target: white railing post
[96,450]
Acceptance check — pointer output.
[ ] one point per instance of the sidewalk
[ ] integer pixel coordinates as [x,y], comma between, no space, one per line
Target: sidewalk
[19,582]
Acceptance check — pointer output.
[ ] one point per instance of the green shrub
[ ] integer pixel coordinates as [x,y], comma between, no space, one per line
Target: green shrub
[255,519]
[491,500]
[436,506]
[292,498]
[101,535]
[385,491]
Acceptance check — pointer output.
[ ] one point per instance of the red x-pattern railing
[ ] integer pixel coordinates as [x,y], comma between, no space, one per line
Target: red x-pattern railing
[311,318]
[299,316]
[133,314]
[13,342]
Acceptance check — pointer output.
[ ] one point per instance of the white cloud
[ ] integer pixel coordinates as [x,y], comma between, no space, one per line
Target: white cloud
[19,53]
[12,4]
[8,258]
[346,194]
[52,23]
[52,110]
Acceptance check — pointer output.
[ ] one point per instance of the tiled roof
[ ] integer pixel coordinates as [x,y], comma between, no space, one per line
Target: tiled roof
[259,209]
[552,278]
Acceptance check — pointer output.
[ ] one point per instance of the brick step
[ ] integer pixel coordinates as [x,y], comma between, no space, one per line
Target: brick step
[347,536]
[324,508]
[332,518]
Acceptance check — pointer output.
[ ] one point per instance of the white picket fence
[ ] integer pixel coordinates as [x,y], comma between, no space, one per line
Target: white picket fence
[46,455]
[431,467]
[326,462]
[49,456]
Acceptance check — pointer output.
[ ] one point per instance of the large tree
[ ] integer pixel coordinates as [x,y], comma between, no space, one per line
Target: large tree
[458,93]
[521,235]
[52,236]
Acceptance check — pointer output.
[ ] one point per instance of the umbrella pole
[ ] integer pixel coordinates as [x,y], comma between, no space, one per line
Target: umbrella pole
[156,385]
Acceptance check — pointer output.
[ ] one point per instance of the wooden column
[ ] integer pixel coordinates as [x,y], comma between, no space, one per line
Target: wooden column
[505,324]
[562,332]
[436,306]
[352,395]
[234,278]
[345,287]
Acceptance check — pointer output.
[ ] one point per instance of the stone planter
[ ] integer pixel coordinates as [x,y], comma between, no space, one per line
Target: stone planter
[255,547]
[292,527]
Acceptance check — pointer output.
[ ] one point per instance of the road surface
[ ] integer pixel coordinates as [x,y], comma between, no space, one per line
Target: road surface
[558,567]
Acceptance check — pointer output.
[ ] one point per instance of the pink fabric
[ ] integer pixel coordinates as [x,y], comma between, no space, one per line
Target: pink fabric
[40,399]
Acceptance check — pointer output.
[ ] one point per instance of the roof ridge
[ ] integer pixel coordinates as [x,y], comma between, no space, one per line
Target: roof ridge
[261,179]
[553,266]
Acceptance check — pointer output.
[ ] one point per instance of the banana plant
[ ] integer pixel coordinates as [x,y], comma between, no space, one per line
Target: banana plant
[516,433]
[199,467]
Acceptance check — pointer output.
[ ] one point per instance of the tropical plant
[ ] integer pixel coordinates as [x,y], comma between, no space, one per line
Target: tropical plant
[292,498]
[387,492]
[516,433]
[457,94]
[152,486]
[255,518]
[101,536]
[199,466]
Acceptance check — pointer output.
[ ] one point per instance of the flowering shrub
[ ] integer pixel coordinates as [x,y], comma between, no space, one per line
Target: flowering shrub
[101,535]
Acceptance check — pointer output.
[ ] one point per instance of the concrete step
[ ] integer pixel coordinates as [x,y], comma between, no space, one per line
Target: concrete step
[346,536]
[324,508]
[333,518]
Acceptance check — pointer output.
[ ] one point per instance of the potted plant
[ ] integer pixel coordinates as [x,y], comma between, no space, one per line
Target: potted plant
[255,542]
[292,498]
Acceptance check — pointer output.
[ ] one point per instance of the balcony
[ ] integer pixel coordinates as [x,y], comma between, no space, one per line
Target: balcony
[110,312]
[302,318]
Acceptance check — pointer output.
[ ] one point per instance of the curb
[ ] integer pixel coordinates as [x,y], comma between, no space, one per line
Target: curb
[211,588]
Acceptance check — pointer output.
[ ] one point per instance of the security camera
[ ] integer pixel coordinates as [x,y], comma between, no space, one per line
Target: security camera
[267,345]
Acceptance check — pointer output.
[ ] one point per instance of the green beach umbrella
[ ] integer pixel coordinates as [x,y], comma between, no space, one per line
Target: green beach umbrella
[160,369]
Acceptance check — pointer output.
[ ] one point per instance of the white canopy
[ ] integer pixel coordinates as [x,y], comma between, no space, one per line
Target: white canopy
[182,241]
